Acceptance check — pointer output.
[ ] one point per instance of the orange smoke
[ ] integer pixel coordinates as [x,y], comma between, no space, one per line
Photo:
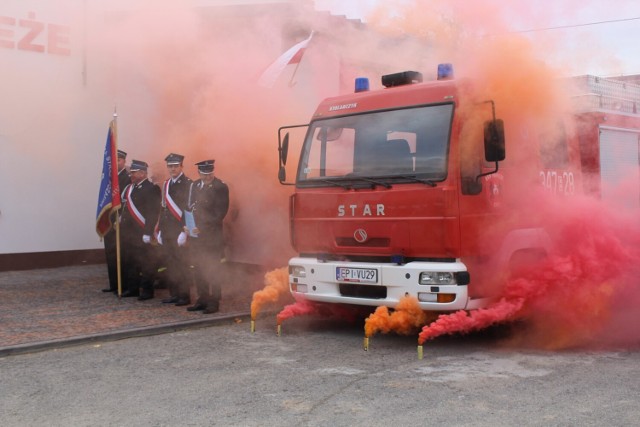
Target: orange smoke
[276,285]
[405,319]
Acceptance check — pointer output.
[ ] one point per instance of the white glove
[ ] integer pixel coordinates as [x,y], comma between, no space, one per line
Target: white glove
[159,239]
[146,239]
[182,238]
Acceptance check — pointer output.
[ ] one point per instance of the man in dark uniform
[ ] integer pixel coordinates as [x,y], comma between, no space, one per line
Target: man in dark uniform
[171,234]
[110,237]
[208,204]
[141,206]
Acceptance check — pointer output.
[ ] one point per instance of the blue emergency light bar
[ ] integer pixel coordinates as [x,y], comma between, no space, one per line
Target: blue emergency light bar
[445,72]
[403,78]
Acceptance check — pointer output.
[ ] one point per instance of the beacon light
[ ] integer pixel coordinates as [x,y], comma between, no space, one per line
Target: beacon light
[397,259]
[362,84]
[445,71]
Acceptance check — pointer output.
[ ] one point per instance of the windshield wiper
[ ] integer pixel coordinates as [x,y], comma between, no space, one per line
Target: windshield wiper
[337,184]
[415,179]
[373,181]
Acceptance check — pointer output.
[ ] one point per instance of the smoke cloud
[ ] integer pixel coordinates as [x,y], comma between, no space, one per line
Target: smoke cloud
[184,79]
[585,291]
[584,294]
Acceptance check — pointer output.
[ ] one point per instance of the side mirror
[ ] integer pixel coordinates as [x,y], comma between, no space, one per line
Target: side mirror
[283,149]
[494,146]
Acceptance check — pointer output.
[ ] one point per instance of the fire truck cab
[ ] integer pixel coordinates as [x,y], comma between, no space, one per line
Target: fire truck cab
[399,191]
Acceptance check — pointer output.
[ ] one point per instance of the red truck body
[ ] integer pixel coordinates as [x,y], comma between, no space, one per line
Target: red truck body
[398,192]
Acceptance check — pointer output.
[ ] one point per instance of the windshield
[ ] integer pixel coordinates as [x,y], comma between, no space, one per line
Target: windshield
[411,142]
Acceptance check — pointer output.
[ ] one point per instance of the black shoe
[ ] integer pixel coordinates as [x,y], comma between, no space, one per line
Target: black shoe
[211,309]
[170,300]
[182,301]
[109,290]
[196,307]
[159,285]
[145,296]
[130,294]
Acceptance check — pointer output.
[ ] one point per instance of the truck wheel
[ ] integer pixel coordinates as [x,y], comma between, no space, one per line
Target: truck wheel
[524,260]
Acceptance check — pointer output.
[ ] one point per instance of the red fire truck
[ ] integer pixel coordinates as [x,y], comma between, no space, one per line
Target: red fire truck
[608,120]
[408,190]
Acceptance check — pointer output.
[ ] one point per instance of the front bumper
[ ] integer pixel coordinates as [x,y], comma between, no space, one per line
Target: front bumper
[392,282]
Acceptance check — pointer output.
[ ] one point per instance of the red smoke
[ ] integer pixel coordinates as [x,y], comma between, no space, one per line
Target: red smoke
[584,294]
[304,307]
[585,291]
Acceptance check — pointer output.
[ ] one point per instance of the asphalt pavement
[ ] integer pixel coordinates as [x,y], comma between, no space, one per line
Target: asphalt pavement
[315,373]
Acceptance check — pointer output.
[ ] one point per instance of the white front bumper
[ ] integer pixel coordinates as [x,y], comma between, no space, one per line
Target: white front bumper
[320,284]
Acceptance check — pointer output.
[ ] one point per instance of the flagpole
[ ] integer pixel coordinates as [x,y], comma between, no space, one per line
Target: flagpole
[291,82]
[118,266]
[295,70]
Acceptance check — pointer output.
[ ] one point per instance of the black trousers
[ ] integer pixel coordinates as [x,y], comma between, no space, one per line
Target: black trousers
[138,265]
[110,255]
[208,271]
[178,277]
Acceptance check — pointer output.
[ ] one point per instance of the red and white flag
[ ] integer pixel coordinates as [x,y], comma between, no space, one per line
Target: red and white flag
[291,56]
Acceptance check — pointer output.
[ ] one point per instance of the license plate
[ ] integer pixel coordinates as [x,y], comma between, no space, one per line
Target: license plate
[359,275]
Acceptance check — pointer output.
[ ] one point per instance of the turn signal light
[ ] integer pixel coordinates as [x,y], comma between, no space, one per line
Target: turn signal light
[444,298]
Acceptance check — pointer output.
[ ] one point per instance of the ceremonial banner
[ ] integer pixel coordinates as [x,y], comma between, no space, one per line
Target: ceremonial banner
[109,194]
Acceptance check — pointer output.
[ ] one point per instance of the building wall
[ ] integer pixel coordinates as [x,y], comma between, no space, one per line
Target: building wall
[59,94]
[51,122]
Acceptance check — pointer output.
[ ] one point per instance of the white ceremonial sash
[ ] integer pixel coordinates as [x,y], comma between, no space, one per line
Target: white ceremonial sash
[133,210]
[170,204]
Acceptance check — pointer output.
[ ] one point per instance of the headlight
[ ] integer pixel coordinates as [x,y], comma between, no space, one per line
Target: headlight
[297,271]
[437,278]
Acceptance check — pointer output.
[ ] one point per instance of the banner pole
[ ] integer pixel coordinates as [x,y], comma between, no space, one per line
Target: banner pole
[118,263]
[118,256]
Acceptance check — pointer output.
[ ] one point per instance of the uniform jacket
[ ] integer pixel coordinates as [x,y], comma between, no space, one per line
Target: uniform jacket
[210,204]
[146,198]
[179,192]
[123,178]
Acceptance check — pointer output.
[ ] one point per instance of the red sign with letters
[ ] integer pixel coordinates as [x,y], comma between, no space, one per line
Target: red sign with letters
[35,36]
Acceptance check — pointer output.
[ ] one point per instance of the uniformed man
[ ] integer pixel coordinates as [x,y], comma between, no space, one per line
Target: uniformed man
[110,237]
[208,205]
[141,207]
[171,234]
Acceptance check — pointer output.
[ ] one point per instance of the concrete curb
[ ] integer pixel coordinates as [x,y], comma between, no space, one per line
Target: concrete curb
[121,334]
